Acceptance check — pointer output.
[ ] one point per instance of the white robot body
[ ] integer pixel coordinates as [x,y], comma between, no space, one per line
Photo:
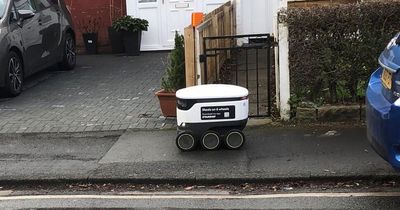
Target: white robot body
[211,114]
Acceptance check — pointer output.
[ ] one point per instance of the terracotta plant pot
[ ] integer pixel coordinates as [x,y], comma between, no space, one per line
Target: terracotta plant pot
[167,103]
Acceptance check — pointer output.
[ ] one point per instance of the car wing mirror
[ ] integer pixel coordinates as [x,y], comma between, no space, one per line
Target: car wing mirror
[25,14]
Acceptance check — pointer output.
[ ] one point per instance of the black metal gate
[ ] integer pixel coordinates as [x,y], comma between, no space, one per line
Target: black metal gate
[248,65]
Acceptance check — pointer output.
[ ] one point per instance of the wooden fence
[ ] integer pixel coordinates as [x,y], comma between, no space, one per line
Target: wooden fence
[219,22]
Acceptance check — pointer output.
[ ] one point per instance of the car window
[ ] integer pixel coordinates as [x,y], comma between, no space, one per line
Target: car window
[2,7]
[24,5]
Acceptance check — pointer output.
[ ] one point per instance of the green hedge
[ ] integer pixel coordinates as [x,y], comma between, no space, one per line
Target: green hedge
[333,50]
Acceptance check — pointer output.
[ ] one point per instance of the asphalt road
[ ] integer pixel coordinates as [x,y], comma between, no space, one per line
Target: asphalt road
[373,201]
[146,156]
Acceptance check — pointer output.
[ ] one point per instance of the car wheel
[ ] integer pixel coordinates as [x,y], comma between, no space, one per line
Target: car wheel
[69,53]
[14,77]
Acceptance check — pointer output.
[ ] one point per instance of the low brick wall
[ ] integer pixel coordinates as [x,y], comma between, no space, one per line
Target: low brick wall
[350,113]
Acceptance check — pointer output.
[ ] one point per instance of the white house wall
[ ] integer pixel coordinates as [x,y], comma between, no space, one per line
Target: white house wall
[254,16]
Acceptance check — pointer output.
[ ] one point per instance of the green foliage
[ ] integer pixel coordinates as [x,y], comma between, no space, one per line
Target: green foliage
[175,74]
[333,50]
[128,23]
[294,102]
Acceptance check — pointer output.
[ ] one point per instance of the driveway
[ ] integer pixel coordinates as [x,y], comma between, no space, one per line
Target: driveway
[103,93]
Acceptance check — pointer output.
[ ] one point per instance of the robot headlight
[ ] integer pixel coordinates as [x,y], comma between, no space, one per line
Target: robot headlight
[182,104]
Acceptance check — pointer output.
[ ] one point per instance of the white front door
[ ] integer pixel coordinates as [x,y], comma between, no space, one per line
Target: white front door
[165,17]
[151,11]
[177,15]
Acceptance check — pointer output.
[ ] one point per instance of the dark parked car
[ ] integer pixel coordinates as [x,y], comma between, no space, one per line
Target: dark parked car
[34,34]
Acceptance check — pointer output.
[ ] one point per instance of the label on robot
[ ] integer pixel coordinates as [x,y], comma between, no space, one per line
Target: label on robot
[218,112]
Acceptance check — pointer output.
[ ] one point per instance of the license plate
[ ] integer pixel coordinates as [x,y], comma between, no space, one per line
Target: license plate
[387,79]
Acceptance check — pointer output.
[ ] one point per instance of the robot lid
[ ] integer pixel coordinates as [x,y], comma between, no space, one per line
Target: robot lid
[212,91]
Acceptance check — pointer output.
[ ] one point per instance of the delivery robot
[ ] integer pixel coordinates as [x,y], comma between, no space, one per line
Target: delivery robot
[211,116]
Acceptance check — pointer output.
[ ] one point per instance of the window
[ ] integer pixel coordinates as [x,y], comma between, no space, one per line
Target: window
[2,7]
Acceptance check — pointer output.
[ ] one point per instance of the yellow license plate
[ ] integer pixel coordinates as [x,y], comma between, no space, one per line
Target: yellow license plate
[387,79]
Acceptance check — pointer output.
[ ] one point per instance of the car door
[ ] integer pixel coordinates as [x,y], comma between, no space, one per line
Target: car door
[30,36]
[49,22]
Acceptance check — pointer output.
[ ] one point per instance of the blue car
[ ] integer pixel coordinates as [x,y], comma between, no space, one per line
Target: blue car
[383,105]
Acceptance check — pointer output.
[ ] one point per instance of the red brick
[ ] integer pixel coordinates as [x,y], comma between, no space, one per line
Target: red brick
[104,10]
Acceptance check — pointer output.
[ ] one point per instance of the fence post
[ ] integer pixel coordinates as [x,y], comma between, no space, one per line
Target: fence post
[190,57]
[282,78]
[284,72]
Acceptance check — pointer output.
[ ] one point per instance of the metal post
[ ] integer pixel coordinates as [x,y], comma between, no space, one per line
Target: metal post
[216,65]
[205,60]
[269,74]
[258,99]
[247,69]
[236,66]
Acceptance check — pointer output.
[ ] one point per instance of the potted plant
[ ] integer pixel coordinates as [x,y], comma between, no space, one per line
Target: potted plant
[174,78]
[90,28]
[131,29]
[115,37]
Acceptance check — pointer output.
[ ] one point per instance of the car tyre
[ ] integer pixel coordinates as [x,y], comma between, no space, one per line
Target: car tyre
[69,53]
[14,76]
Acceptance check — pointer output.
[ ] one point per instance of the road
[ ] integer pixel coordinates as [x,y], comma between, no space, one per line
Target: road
[365,201]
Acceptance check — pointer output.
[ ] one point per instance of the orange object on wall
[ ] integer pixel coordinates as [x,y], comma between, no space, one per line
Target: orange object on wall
[197,18]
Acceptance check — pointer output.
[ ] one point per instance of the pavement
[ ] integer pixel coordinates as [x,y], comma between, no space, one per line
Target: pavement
[271,153]
[103,93]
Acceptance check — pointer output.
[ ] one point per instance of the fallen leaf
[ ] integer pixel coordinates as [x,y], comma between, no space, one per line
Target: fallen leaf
[189,188]
[331,133]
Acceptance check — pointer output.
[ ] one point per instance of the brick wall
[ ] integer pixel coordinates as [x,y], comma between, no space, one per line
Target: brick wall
[86,12]
[312,3]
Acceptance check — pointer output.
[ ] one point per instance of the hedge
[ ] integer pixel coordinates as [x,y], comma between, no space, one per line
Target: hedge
[333,50]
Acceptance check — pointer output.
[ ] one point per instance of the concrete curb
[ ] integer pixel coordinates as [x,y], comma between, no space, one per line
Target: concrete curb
[199,180]
[253,122]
